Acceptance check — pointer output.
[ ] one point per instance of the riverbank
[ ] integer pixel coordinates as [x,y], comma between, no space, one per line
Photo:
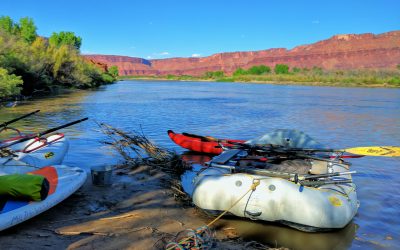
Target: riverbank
[136,212]
[279,80]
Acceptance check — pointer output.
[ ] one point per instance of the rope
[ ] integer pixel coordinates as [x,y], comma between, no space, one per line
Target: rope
[178,245]
[253,187]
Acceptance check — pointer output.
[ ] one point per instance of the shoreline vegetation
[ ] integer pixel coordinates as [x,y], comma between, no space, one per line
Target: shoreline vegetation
[32,65]
[282,74]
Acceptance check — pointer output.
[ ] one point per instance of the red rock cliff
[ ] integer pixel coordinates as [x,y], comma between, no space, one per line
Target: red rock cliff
[338,52]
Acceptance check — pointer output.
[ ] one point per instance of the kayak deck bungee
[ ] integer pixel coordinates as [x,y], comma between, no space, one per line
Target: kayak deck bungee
[34,150]
[38,152]
[201,144]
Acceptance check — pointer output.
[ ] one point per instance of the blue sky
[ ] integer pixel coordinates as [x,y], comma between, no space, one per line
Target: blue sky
[161,29]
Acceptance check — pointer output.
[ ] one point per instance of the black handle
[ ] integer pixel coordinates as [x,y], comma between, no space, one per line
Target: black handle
[44,132]
[17,119]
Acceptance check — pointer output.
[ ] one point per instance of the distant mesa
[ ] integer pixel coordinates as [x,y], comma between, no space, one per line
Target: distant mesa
[341,52]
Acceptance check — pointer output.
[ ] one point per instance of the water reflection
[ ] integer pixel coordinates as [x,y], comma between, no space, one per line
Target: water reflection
[280,236]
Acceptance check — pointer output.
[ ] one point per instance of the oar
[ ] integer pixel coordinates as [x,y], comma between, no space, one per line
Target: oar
[5,124]
[296,178]
[32,136]
[386,151]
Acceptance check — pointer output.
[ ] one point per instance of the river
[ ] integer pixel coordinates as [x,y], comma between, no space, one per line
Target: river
[338,117]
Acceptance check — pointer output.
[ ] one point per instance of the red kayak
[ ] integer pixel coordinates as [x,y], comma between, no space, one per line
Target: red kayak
[201,144]
[211,145]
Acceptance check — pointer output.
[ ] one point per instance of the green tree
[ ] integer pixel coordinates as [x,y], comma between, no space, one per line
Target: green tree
[398,66]
[27,29]
[113,71]
[9,84]
[65,38]
[8,25]
[29,62]
[281,69]
[259,70]
[239,71]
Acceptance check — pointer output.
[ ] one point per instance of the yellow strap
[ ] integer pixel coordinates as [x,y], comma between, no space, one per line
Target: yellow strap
[388,151]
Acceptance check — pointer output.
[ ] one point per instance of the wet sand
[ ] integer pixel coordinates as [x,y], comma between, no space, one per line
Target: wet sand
[136,212]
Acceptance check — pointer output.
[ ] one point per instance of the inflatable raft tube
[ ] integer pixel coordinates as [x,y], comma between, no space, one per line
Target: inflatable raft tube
[279,200]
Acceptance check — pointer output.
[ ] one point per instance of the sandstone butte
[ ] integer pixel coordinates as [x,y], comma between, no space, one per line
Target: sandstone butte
[340,52]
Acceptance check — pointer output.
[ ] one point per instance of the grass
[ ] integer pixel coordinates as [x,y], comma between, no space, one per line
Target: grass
[349,78]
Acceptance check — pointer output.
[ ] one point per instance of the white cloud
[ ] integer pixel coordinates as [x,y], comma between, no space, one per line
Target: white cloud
[196,55]
[149,57]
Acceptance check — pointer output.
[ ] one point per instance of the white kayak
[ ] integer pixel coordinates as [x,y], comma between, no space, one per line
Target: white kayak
[63,180]
[307,208]
[46,151]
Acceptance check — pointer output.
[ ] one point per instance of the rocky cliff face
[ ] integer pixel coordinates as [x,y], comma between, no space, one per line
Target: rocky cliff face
[338,52]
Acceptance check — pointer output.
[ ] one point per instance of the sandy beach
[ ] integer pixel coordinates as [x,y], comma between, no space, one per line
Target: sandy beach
[136,212]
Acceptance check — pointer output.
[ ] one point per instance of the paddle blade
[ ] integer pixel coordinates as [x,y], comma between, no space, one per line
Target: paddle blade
[388,151]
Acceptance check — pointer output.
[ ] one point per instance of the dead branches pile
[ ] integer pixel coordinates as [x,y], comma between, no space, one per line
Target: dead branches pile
[137,150]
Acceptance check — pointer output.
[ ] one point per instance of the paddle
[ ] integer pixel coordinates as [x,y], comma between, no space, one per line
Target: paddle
[32,136]
[386,151]
[5,124]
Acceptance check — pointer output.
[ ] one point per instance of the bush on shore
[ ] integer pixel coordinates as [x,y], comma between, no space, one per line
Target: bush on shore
[9,84]
[32,63]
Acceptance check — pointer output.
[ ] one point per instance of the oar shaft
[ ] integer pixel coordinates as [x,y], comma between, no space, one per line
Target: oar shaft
[328,175]
[5,124]
[303,180]
[62,126]
[325,182]
[262,172]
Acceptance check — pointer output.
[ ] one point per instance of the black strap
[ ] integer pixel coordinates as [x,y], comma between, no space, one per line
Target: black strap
[3,202]
[44,192]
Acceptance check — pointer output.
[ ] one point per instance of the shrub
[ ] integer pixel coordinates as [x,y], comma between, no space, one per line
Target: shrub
[9,84]
[259,70]
[281,69]
[239,71]
[214,74]
[296,70]
[113,70]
